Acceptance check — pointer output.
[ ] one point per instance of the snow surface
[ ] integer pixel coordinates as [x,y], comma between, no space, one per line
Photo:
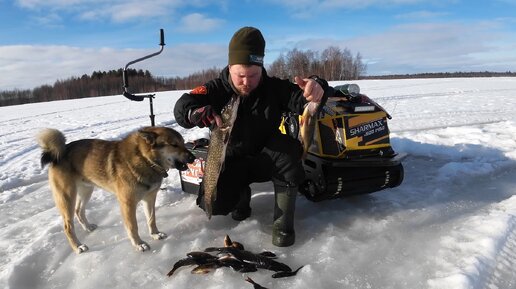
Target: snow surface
[451,224]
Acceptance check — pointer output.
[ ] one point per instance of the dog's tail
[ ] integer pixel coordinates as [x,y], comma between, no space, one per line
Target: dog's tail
[53,144]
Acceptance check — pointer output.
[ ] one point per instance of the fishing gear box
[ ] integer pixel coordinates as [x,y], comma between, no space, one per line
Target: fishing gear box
[192,177]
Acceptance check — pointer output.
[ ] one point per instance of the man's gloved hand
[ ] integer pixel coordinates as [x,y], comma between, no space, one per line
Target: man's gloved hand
[204,117]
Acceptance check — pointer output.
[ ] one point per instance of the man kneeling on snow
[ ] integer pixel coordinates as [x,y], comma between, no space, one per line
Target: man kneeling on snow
[257,151]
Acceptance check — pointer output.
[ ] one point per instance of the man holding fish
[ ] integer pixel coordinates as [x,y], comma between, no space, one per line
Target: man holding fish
[243,108]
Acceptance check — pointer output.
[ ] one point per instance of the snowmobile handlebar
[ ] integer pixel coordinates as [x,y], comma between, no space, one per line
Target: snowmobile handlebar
[125,77]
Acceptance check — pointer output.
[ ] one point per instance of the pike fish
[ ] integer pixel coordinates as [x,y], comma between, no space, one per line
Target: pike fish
[260,261]
[193,258]
[219,139]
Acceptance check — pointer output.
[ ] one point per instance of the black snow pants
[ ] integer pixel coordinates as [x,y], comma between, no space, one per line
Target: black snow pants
[279,162]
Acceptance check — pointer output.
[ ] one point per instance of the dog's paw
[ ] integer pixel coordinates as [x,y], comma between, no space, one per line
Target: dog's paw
[142,247]
[91,227]
[159,236]
[81,249]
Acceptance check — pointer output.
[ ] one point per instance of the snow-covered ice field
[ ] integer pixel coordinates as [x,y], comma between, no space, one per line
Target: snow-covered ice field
[451,224]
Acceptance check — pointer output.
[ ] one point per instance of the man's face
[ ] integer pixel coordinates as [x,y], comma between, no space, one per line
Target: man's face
[245,78]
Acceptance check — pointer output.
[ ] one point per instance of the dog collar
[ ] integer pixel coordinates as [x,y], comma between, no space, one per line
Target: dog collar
[159,169]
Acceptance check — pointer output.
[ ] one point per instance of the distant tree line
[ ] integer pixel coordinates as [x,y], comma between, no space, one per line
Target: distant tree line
[332,63]
[443,75]
[99,83]
[195,79]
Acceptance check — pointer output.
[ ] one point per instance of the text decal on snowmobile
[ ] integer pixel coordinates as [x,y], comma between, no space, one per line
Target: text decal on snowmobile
[367,128]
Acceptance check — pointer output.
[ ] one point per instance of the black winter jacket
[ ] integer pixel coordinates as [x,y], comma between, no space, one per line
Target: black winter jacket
[259,114]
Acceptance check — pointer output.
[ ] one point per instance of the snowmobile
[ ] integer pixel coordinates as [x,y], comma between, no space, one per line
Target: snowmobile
[350,153]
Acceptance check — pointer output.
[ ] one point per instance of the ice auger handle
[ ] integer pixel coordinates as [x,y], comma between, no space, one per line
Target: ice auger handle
[125,78]
[162,38]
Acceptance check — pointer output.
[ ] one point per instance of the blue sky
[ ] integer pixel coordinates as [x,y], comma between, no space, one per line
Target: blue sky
[42,41]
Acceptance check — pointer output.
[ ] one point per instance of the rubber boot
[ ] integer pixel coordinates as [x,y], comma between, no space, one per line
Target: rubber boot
[242,209]
[283,234]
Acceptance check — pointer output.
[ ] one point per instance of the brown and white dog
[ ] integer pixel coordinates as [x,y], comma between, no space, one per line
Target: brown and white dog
[132,168]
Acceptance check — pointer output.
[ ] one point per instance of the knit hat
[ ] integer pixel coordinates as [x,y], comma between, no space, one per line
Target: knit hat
[247,46]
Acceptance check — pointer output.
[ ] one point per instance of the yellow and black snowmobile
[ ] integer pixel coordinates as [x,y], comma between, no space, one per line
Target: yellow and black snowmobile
[350,152]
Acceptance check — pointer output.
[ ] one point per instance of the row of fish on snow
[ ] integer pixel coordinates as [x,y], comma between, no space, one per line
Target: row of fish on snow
[234,255]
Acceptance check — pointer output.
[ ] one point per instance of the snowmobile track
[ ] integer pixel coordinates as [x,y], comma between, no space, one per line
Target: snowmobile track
[503,275]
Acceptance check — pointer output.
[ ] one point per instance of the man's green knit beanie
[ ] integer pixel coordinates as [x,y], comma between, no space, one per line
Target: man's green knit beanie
[247,46]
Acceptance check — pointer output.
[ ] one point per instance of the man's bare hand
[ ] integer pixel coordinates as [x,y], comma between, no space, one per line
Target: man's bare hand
[312,91]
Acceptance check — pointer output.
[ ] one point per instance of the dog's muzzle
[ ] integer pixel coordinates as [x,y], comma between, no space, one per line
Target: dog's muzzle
[183,166]
[180,166]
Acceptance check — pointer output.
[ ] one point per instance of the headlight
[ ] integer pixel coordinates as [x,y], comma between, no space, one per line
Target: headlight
[351,89]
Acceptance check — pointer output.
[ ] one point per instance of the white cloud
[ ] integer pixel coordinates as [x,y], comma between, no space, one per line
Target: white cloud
[113,10]
[308,8]
[422,15]
[429,47]
[48,20]
[25,66]
[128,11]
[59,4]
[196,22]
[365,3]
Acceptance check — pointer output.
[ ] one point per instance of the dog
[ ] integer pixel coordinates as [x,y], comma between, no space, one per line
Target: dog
[132,168]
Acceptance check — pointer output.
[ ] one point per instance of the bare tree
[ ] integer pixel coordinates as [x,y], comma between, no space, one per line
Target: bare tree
[332,61]
[358,66]
[298,62]
[279,68]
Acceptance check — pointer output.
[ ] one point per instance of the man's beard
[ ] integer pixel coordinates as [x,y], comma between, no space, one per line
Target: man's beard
[243,91]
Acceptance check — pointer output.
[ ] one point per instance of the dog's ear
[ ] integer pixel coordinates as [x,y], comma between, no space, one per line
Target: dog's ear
[148,136]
